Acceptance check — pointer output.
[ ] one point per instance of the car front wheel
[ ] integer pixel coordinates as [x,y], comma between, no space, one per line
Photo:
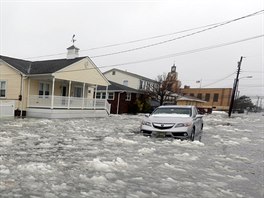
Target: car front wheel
[192,135]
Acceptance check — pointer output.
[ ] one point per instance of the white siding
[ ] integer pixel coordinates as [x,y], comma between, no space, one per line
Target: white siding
[82,71]
[119,78]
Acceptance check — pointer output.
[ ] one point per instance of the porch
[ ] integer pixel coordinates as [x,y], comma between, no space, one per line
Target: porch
[66,107]
[49,97]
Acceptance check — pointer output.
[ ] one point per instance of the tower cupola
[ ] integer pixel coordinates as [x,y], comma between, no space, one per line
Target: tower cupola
[173,68]
[73,52]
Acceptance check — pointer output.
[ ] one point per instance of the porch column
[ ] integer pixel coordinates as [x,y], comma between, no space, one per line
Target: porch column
[22,95]
[69,95]
[106,95]
[83,95]
[118,101]
[52,93]
[95,96]
[88,104]
[28,95]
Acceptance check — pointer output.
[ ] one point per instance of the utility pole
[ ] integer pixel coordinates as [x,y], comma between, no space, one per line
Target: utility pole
[257,105]
[235,87]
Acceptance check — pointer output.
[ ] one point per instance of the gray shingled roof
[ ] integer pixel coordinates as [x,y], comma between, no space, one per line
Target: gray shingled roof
[39,67]
[131,74]
[190,98]
[72,47]
[117,87]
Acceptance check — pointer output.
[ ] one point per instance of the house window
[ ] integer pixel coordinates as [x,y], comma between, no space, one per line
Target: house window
[140,84]
[191,94]
[216,96]
[207,97]
[111,96]
[199,95]
[148,86]
[98,95]
[44,90]
[128,96]
[78,92]
[113,72]
[2,89]
[125,82]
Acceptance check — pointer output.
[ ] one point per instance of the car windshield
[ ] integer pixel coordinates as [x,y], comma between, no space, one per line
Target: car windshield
[173,110]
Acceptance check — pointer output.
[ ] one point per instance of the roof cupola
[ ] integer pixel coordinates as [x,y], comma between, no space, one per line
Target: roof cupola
[73,52]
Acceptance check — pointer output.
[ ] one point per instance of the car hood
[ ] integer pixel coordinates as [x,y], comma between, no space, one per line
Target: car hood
[168,118]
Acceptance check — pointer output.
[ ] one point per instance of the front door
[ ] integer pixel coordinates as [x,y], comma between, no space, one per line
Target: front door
[64,90]
[64,94]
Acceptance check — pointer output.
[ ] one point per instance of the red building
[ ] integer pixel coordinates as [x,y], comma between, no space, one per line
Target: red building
[122,98]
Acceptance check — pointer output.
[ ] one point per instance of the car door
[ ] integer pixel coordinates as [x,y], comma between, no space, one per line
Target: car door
[197,120]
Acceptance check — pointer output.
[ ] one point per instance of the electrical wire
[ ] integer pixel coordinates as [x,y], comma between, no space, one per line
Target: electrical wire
[184,53]
[172,55]
[211,26]
[130,42]
[219,80]
[180,37]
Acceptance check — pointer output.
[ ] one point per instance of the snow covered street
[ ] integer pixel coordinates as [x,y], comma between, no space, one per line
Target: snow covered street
[107,157]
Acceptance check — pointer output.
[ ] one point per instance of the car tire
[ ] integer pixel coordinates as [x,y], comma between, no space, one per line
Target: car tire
[192,135]
[200,138]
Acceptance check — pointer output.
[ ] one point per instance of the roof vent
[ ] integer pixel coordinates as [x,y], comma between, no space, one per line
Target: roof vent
[73,52]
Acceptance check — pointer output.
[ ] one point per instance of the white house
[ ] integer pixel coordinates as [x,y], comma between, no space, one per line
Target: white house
[61,88]
[129,79]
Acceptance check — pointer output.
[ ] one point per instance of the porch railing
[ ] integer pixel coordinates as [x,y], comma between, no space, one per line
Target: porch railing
[61,102]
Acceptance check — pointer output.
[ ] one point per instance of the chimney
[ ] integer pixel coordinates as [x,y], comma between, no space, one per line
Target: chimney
[73,52]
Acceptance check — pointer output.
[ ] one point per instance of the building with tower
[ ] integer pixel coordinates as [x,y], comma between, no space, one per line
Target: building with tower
[172,81]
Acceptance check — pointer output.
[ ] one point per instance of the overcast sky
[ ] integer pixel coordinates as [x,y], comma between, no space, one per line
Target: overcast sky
[39,28]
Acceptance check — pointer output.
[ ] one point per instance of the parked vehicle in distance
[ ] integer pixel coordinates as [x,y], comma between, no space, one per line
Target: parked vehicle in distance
[182,122]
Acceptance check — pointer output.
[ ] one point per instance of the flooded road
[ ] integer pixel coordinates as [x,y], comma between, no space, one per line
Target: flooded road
[107,157]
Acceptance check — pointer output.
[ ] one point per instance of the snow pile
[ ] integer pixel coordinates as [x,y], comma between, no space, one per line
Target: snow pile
[108,166]
[5,141]
[4,170]
[36,168]
[119,140]
[186,157]
[146,150]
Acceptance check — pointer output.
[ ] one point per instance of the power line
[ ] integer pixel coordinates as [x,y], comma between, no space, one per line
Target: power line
[257,72]
[219,80]
[211,26]
[130,42]
[149,38]
[180,37]
[242,86]
[174,55]
[184,53]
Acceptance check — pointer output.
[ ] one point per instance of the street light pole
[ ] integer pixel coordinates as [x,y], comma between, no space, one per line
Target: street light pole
[235,87]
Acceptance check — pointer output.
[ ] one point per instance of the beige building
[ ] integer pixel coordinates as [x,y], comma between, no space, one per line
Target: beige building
[188,100]
[216,98]
[60,88]
[172,81]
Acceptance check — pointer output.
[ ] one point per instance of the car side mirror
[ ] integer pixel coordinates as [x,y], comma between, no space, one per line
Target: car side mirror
[147,115]
[199,116]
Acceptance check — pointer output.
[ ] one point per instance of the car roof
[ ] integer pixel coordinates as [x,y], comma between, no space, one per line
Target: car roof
[174,106]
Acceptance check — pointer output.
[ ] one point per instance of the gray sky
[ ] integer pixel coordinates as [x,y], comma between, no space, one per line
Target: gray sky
[39,28]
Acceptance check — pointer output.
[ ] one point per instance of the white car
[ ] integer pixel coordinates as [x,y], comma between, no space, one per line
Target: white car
[181,122]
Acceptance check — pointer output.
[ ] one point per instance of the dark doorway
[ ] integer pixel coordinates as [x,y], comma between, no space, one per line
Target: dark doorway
[64,90]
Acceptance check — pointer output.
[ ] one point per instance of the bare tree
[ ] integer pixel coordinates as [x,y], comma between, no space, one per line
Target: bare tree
[161,90]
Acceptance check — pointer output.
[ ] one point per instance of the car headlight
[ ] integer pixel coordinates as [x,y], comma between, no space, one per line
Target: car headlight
[186,124]
[146,123]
